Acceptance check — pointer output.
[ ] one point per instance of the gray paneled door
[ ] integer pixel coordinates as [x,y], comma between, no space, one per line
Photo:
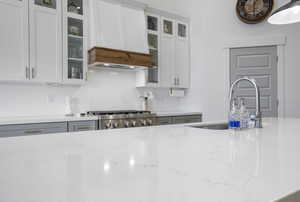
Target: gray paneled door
[259,63]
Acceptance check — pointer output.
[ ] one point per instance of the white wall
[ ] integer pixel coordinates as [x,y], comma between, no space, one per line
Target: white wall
[213,24]
[105,90]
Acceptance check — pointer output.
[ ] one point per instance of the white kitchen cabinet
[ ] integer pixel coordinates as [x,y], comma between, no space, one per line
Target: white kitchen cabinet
[170,53]
[14,40]
[118,25]
[167,70]
[35,40]
[45,41]
[175,55]
[74,41]
[150,77]
[182,56]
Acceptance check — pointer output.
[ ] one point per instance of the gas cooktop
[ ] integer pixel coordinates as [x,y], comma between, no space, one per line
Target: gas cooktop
[124,118]
[117,112]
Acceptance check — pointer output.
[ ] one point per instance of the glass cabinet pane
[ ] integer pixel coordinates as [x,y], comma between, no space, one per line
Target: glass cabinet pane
[75,49]
[153,41]
[168,27]
[154,57]
[75,6]
[46,3]
[152,23]
[153,75]
[182,30]
[75,69]
[75,27]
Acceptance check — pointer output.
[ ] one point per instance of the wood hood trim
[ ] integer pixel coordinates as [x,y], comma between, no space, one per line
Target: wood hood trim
[113,56]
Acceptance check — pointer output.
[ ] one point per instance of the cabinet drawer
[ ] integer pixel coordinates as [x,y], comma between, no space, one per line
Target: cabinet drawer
[164,120]
[187,119]
[82,126]
[32,129]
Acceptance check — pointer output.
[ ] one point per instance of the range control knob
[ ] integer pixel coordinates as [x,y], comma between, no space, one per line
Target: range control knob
[133,123]
[115,125]
[108,125]
[143,122]
[126,124]
[149,122]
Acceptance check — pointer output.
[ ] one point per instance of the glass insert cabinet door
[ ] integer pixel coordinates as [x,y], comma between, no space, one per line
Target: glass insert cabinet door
[75,41]
[153,49]
[46,3]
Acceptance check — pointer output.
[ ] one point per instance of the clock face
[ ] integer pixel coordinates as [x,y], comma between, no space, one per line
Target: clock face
[253,11]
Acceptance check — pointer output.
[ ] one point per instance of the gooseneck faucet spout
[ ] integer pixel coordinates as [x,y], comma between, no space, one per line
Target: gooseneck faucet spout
[258,119]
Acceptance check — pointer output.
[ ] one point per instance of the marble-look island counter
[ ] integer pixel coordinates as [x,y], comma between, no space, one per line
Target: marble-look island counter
[156,164]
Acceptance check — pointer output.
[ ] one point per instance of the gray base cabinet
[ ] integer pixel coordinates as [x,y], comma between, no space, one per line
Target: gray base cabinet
[82,126]
[179,119]
[33,129]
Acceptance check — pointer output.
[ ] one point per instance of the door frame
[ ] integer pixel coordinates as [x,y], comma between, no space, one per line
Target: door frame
[280,43]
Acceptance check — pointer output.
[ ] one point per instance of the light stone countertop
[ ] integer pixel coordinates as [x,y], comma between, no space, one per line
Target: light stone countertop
[173,163]
[43,119]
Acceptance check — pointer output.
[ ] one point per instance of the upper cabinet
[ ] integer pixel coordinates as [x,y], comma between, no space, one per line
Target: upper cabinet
[14,60]
[169,46]
[74,41]
[153,34]
[45,41]
[117,26]
[182,56]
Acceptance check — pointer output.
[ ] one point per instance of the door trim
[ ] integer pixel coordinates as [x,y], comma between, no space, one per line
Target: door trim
[280,43]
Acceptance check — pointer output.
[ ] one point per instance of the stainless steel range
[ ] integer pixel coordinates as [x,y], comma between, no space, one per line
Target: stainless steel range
[124,119]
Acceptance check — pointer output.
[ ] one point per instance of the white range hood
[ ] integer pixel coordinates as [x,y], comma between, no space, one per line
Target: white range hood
[118,34]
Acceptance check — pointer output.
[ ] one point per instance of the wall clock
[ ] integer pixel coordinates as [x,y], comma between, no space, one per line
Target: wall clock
[253,11]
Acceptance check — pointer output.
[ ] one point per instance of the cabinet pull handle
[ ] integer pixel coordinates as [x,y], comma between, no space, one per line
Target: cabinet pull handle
[178,81]
[33,132]
[83,128]
[175,81]
[33,72]
[27,73]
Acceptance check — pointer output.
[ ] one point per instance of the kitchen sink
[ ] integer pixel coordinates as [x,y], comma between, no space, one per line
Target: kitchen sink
[294,197]
[216,126]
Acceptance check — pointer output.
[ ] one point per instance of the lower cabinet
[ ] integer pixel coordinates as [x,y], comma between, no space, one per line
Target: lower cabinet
[179,119]
[77,126]
[33,129]
[164,121]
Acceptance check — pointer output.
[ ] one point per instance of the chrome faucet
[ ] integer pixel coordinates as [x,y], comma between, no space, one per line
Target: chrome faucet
[258,116]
